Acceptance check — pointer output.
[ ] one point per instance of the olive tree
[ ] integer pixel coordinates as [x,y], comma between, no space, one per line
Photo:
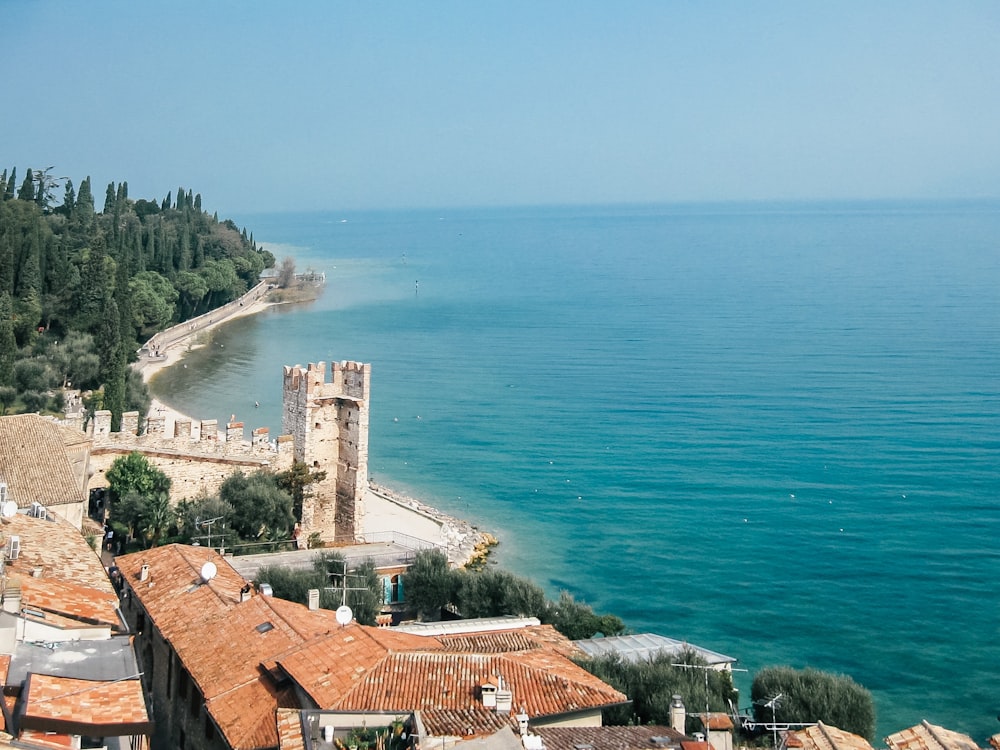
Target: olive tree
[809,695]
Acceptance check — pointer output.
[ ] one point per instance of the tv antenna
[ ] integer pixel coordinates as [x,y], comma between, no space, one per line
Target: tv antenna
[207,523]
[344,613]
[773,705]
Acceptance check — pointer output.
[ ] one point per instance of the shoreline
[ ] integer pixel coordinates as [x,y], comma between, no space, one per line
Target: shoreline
[150,364]
[472,544]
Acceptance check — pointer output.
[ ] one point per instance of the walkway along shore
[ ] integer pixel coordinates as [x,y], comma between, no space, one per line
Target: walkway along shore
[463,541]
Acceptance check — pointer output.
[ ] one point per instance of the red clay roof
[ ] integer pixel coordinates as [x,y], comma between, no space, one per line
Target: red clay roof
[824,737]
[352,672]
[927,736]
[91,707]
[237,653]
[635,737]
[76,604]
[57,550]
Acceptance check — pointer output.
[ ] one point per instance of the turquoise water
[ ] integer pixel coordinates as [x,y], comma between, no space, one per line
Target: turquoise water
[772,430]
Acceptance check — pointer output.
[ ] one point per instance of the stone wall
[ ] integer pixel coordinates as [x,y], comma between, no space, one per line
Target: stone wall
[327,429]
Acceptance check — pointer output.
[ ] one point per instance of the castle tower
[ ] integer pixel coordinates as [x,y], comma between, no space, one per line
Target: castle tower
[328,422]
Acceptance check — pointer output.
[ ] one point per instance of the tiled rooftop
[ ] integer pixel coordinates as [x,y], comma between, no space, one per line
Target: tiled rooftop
[56,550]
[824,737]
[927,736]
[34,462]
[642,737]
[63,704]
[239,654]
[524,639]
[365,676]
[290,730]
[71,603]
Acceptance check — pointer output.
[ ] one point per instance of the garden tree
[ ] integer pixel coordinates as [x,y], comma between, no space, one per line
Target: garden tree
[191,515]
[651,683]
[809,695]
[261,509]
[134,473]
[494,592]
[140,498]
[577,621]
[363,592]
[430,584]
[297,481]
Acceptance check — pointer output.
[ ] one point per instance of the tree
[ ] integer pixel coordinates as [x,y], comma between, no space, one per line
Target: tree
[494,592]
[297,481]
[651,684]
[261,509]
[134,473]
[8,344]
[809,695]
[577,621]
[430,583]
[286,273]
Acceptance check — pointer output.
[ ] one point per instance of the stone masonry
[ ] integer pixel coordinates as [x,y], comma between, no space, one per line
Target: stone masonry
[326,426]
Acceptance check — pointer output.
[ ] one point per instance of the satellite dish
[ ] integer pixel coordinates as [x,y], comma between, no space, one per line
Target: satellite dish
[208,571]
[344,614]
[8,509]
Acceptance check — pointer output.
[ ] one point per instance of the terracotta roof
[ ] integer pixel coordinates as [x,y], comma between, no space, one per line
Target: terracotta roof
[34,461]
[75,604]
[717,721]
[824,737]
[226,645]
[290,730]
[365,676]
[642,737]
[239,655]
[57,550]
[927,736]
[501,641]
[96,708]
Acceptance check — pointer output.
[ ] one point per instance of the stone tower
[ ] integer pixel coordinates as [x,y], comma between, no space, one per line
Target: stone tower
[328,422]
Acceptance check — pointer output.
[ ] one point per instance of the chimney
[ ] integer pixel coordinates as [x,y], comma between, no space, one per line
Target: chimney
[144,573]
[245,593]
[677,714]
[314,599]
[522,722]
[505,697]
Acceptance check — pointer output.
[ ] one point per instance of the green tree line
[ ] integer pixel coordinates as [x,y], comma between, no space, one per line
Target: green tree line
[82,289]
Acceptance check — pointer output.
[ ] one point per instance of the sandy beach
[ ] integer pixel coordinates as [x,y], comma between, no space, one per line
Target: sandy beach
[150,364]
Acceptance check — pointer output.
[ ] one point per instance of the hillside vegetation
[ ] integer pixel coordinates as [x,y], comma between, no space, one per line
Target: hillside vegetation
[81,289]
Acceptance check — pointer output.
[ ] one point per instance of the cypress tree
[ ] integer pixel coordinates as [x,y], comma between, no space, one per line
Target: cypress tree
[11,182]
[27,191]
[69,201]
[8,345]
[109,345]
[109,199]
[166,203]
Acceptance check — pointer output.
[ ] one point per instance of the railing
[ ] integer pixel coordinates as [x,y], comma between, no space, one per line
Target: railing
[396,537]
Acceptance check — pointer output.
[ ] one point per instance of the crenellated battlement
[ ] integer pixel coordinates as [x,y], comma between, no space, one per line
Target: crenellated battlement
[325,425]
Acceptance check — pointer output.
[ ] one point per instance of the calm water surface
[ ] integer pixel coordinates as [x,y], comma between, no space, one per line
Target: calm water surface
[772,430]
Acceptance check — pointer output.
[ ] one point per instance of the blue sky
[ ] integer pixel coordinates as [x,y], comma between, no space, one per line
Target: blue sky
[316,105]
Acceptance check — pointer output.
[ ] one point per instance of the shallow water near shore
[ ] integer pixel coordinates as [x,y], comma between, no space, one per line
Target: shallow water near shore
[772,430]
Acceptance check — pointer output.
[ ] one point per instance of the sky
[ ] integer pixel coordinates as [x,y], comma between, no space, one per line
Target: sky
[261,106]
